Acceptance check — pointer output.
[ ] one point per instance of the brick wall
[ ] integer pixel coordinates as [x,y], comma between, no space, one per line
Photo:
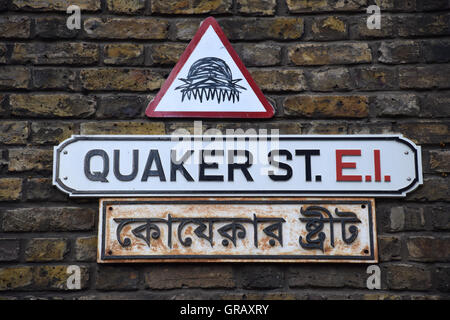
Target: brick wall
[316,61]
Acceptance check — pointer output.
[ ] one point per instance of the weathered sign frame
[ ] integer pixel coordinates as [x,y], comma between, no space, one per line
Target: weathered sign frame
[108,257]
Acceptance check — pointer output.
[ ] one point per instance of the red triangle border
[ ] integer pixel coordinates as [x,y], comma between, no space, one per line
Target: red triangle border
[210,21]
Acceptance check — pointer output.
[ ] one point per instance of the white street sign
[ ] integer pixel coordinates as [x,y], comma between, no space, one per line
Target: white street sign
[294,165]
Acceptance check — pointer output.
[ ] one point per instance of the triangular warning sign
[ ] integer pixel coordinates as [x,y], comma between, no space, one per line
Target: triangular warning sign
[210,81]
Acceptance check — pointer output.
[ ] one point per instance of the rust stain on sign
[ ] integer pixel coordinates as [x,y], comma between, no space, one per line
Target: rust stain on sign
[237,230]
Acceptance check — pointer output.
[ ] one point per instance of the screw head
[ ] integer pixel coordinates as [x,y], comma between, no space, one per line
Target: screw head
[406,152]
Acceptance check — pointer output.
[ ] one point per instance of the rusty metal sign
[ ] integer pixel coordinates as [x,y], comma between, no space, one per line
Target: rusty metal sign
[237,230]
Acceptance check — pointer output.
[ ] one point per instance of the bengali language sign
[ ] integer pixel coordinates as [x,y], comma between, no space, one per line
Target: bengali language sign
[237,229]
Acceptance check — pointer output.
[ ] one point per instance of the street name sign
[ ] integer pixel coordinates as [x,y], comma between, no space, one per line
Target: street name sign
[237,230]
[227,165]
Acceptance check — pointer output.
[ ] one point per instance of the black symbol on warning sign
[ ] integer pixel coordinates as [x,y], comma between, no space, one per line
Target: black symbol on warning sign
[210,78]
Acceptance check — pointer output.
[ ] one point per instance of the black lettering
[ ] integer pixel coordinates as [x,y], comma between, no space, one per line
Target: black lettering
[132,175]
[240,166]
[177,165]
[96,176]
[307,154]
[281,165]
[159,172]
[214,165]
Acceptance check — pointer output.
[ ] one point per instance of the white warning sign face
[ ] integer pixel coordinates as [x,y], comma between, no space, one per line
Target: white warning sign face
[210,81]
